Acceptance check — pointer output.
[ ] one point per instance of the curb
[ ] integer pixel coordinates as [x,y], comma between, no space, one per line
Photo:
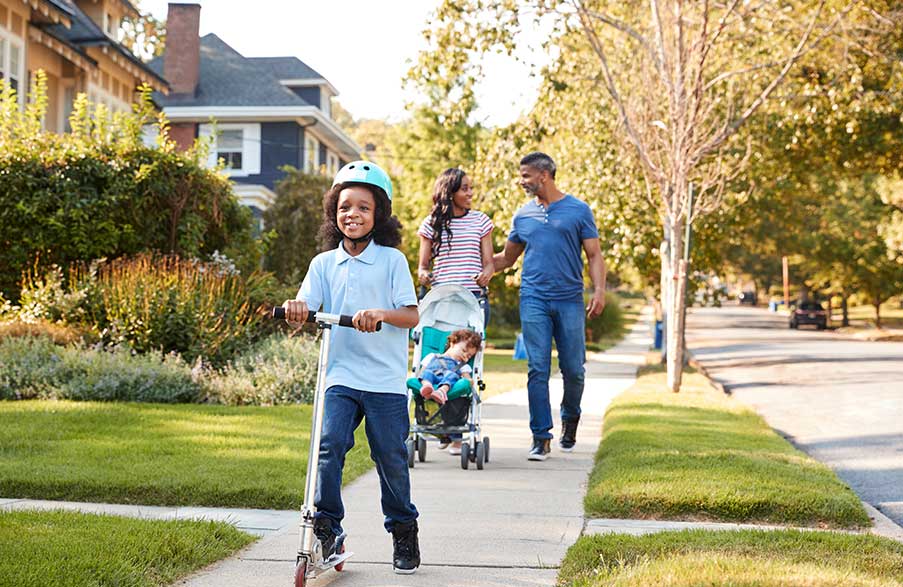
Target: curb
[696,364]
[882,525]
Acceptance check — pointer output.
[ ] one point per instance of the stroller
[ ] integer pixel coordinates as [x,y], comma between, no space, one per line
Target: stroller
[443,310]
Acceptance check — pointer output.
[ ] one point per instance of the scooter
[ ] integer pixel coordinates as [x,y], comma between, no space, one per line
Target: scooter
[310,562]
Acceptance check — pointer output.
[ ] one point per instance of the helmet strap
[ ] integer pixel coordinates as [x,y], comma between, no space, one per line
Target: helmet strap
[356,240]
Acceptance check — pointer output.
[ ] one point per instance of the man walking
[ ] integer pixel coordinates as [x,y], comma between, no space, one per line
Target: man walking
[550,230]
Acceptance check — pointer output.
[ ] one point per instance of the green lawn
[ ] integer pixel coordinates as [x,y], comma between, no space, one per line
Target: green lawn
[68,549]
[700,455]
[864,316]
[784,558]
[155,454]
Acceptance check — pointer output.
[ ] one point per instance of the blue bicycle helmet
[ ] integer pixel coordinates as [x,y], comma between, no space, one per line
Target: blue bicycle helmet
[365,172]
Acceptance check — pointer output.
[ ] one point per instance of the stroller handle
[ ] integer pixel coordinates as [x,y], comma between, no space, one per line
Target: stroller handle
[339,319]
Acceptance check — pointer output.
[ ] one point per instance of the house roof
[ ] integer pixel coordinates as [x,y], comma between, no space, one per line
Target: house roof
[84,33]
[227,78]
[287,67]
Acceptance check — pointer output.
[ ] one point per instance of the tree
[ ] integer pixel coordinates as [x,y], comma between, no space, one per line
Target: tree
[144,36]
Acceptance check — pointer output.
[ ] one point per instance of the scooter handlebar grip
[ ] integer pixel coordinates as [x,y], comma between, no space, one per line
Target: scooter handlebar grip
[279,314]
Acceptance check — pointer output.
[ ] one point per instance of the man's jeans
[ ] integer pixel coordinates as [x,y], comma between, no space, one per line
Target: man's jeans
[387,429]
[541,321]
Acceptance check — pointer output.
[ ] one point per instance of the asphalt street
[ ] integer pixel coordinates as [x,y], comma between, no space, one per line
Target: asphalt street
[839,400]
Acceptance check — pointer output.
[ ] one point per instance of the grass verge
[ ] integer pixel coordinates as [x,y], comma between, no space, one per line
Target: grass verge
[749,558]
[156,454]
[61,549]
[698,455]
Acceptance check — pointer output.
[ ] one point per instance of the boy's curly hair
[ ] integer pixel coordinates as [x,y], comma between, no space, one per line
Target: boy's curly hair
[386,228]
[473,339]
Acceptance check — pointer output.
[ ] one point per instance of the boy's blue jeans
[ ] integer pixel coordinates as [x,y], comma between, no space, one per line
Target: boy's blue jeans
[448,378]
[387,429]
[541,321]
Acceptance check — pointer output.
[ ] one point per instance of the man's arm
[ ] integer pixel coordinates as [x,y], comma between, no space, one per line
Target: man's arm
[597,273]
[508,256]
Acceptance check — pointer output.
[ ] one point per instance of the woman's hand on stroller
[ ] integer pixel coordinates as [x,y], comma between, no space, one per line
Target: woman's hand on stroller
[368,320]
[295,312]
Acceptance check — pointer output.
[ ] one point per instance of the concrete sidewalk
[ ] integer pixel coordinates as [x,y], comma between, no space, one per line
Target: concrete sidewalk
[507,525]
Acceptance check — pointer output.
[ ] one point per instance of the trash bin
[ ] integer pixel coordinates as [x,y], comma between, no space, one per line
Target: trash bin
[520,349]
[658,334]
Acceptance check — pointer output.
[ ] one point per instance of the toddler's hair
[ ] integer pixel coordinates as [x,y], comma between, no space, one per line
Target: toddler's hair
[469,336]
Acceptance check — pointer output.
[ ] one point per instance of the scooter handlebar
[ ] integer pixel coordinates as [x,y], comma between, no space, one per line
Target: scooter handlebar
[339,319]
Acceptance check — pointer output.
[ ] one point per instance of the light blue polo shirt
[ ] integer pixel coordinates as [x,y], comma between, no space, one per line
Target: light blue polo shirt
[553,261]
[378,278]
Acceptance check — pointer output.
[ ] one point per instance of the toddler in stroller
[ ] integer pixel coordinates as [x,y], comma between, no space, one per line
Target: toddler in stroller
[447,369]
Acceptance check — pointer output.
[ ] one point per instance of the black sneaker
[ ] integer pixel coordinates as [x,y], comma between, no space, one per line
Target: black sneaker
[406,557]
[327,537]
[568,434]
[540,450]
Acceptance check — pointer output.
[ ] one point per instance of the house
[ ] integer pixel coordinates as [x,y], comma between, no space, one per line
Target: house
[265,112]
[76,43]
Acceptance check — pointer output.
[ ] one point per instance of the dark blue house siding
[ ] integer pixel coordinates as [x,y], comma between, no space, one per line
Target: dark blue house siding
[310,95]
[279,145]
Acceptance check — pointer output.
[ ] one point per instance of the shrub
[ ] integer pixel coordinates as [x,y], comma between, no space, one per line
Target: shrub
[33,367]
[60,334]
[99,191]
[281,369]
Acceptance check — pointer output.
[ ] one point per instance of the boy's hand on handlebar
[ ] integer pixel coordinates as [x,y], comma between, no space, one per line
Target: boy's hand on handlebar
[424,277]
[367,320]
[295,312]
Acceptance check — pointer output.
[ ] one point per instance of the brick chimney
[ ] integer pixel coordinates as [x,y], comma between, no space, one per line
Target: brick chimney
[181,61]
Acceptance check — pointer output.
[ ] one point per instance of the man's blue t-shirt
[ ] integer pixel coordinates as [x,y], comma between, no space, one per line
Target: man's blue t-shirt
[553,265]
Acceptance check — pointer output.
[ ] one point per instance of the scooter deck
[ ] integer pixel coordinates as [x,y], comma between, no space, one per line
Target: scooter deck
[329,563]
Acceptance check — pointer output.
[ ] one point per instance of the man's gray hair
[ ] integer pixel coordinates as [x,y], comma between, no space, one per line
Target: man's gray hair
[540,161]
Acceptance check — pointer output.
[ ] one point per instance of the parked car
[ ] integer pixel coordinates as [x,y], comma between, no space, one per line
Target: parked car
[747,297]
[809,313]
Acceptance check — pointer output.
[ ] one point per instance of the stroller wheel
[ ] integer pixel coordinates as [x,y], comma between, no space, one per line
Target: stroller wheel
[465,455]
[409,444]
[480,453]
[485,449]
[421,449]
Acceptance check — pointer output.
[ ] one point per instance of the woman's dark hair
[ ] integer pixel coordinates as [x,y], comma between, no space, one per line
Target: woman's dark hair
[386,228]
[447,185]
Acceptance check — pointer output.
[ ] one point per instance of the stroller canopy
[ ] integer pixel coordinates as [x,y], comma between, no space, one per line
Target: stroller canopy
[449,308]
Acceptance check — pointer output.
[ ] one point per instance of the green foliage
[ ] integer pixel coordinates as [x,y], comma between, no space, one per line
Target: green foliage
[294,219]
[100,192]
[71,549]
[279,370]
[34,367]
[199,310]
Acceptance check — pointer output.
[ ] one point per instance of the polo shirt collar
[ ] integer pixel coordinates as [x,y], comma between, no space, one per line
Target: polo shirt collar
[368,256]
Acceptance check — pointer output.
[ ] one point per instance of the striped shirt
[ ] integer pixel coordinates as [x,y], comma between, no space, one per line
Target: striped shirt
[459,258]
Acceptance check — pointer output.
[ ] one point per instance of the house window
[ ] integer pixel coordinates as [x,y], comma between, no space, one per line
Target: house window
[238,145]
[11,62]
[311,154]
[109,24]
[229,148]
[332,163]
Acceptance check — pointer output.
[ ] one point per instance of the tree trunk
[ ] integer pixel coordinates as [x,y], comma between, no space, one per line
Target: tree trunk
[830,311]
[877,304]
[845,308]
[677,301]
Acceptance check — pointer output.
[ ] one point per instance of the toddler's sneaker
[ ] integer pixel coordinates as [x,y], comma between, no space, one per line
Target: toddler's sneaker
[440,394]
[406,557]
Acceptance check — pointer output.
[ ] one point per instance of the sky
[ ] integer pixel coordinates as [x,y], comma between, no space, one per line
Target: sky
[363,47]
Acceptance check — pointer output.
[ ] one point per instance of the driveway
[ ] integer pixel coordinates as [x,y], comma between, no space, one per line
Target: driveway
[839,400]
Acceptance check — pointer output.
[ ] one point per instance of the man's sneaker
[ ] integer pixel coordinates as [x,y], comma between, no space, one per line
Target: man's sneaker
[327,537]
[568,434]
[540,450]
[406,557]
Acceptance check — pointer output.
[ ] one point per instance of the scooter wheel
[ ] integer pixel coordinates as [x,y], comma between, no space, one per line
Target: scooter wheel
[301,573]
[341,565]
